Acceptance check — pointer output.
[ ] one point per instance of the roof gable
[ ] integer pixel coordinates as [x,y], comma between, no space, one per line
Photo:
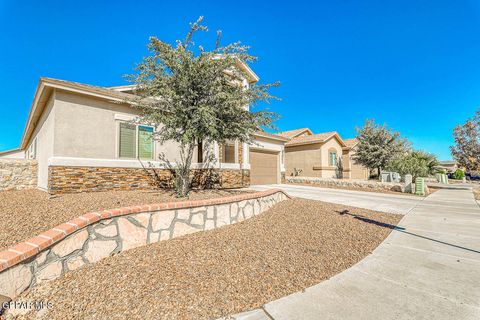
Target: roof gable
[296,133]
[315,138]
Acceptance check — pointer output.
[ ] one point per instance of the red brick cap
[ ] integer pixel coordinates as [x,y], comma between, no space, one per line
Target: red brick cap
[27,249]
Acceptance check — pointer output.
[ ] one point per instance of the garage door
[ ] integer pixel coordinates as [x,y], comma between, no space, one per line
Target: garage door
[263,167]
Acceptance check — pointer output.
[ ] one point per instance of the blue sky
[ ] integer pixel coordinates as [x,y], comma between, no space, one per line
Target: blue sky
[412,64]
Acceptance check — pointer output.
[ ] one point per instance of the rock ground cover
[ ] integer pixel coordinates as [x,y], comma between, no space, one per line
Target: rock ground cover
[294,245]
[27,213]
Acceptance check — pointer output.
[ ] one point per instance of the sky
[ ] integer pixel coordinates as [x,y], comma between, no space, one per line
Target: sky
[412,64]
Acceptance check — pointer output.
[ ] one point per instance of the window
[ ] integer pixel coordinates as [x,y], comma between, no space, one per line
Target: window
[135,141]
[228,152]
[332,159]
[145,142]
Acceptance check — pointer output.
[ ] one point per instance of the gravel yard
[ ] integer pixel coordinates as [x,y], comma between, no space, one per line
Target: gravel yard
[27,213]
[205,275]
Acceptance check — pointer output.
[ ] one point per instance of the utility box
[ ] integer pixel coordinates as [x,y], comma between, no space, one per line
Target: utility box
[420,186]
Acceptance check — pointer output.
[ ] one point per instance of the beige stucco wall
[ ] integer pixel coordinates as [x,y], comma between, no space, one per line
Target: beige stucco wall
[44,133]
[88,128]
[357,171]
[312,159]
[303,157]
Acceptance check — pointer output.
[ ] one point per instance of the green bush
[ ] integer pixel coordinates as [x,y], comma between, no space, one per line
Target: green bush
[458,175]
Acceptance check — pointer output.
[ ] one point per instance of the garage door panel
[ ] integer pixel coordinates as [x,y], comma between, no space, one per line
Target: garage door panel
[263,167]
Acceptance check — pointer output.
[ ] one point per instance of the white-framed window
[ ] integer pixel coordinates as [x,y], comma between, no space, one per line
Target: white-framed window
[135,141]
[332,158]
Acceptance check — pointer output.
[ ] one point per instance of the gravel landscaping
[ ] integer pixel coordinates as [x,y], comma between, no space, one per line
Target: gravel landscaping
[27,213]
[235,268]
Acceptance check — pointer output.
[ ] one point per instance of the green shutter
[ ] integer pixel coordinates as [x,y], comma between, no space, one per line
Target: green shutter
[145,142]
[127,143]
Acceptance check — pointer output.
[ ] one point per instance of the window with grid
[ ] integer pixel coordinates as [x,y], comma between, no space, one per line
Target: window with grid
[135,141]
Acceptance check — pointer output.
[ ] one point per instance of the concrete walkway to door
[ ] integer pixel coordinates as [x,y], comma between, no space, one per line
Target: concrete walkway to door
[428,268]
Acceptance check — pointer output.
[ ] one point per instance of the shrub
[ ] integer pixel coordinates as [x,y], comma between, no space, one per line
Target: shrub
[458,175]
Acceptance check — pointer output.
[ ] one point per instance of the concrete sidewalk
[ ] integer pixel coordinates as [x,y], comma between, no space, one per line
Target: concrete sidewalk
[428,268]
[385,202]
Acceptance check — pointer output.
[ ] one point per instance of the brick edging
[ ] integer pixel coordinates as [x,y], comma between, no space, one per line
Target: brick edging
[31,247]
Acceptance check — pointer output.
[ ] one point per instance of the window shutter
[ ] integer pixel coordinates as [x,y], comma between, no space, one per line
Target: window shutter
[145,142]
[127,140]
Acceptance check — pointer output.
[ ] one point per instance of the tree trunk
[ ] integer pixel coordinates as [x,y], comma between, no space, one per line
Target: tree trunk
[182,172]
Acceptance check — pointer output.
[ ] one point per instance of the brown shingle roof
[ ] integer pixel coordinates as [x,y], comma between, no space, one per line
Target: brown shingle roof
[351,142]
[292,133]
[314,138]
[270,135]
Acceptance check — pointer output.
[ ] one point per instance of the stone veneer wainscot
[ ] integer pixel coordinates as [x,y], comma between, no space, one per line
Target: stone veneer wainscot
[63,179]
[18,174]
[93,236]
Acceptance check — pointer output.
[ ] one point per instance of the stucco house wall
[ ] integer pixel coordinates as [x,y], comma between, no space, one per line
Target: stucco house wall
[313,159]
[74,131]
[304,157]
[43,139]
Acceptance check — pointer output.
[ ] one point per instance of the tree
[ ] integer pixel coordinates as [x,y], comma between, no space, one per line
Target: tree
[378,145]
[466,150]
[417,163]
[192,95]
[458,174]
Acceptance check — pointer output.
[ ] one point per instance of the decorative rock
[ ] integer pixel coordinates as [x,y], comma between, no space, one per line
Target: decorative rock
[182,228]
[234,209]
[132,236]
[162,220]
[197,210]
[210,212]
[98,249]
[153,237]
[248,211]
[165,235]
[209,224]
[42,257]
[223,215]
[75,263]
[108,231]
[71,243]
[197,219]
[183,214]
[15,280]
[256,207]
[142,218]
[51,271]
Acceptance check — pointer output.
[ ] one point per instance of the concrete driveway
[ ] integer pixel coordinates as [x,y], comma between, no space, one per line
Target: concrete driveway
[427,268]
[384,202]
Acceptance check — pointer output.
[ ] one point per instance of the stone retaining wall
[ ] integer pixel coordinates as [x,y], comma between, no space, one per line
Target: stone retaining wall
[62,179]
[17,174]
[374,185]
[93,236]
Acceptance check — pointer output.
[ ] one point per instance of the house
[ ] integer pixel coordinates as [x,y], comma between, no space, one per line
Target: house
[351,169]
[13,154]
[83,139]
[324,155]
[448,166]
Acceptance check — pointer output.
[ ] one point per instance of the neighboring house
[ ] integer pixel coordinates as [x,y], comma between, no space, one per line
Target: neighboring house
[351,169]
[448,166]
[324,155]
[13,154]
[84,140]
